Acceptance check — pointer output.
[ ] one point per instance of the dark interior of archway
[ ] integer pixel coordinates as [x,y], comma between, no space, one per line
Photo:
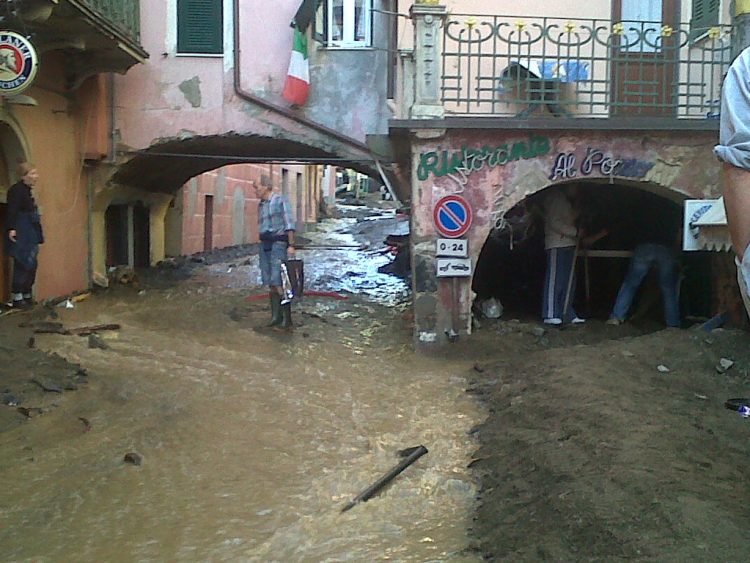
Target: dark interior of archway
[513,271]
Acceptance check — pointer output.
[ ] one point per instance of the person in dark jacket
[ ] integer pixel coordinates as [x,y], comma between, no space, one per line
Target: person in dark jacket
[24,234]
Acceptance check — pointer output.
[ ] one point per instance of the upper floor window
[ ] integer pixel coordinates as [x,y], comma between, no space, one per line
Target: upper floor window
[705,15]
[642,21]
[344,23]
[200,27]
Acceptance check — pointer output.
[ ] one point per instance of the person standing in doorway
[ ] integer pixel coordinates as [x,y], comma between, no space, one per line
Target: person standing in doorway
[560,245]
[562,239]
[24,234]
[733,151]
[276,228]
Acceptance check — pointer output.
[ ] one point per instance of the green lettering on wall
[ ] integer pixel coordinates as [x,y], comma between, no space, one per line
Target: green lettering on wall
[469,160]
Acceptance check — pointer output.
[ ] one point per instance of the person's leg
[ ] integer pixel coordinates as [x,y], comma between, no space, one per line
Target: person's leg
[279,255]
[565,269]
[29,285]
[265,261]
[668,282]
[19,283]
[550,278]
[637,270]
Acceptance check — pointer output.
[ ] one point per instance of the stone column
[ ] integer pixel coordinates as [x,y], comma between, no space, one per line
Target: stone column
[741,22]
[159,205]
[428,18]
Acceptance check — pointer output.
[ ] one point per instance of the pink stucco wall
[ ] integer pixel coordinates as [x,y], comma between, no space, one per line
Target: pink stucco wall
[235,205]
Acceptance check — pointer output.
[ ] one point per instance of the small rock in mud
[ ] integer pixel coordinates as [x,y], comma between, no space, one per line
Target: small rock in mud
[30,412]
[47,384]
[95,341]
[133,458]
[11,400]
[724,365]
[662,368]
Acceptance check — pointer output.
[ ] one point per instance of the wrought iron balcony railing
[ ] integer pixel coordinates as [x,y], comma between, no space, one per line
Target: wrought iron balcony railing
[125,14]
[511,66]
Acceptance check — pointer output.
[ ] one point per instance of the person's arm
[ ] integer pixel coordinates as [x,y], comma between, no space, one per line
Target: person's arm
[735,184]
[733,151]
[11,217]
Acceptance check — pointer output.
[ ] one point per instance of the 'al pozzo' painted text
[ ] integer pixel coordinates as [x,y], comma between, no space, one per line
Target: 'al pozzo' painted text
[467,160]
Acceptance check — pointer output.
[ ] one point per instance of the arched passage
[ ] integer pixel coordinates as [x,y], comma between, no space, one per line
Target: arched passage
[152,177]
[511,264]
[13,149]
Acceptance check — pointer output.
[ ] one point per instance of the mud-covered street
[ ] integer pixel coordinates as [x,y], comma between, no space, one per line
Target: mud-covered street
[594,443]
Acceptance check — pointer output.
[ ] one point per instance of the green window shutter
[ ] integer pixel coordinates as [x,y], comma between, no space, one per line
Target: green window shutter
[705,16]
[200,26]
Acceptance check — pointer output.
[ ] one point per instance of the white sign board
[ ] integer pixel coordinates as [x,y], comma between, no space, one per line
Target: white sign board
[694,209]
[455,247]
[453,267]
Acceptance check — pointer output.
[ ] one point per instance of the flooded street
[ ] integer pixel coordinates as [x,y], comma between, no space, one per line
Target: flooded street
[251,441]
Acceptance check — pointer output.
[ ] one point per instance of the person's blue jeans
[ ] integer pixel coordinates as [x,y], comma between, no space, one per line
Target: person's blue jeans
[645,256]
[272,254]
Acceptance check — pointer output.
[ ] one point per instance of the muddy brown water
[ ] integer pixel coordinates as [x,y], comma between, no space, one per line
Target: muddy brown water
[251,442]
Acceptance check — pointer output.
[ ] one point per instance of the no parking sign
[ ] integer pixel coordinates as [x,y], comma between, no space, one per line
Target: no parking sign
[452,215]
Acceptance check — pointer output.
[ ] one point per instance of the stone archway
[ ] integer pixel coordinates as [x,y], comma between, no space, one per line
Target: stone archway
[495,169]
[13,149]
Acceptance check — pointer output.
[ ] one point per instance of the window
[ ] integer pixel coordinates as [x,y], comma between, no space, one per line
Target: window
[344,23]
[200,26]
[642,25]
[705,16]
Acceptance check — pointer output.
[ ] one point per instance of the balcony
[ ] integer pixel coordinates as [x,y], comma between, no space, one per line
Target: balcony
[123,14]
[557,68]
[94,35]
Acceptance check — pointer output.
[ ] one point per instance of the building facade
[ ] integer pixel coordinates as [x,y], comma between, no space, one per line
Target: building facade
[62,123]
[621,98]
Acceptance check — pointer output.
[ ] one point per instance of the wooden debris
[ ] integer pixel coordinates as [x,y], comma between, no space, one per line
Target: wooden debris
[86,330]
[86,423]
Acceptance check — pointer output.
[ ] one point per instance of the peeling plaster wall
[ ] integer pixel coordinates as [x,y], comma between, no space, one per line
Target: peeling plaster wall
[174,95]
[512,166]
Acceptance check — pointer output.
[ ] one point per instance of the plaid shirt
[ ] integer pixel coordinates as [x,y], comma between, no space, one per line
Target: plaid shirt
[275,215]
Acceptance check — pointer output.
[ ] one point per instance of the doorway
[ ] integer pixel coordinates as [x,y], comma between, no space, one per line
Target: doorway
[4,261]
[208,224]
[644,60]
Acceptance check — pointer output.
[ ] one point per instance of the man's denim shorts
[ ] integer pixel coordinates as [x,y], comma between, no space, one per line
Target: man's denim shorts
[270,263]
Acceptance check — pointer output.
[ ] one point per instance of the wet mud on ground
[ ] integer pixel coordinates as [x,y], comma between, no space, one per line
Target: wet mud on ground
[593,452]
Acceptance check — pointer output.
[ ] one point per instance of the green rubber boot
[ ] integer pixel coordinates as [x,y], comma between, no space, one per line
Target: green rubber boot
[275,299]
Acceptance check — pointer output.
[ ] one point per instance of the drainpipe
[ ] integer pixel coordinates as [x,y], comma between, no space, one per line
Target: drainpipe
[281,110]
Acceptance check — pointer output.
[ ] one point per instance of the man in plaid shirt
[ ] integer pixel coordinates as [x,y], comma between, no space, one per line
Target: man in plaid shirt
[276,228]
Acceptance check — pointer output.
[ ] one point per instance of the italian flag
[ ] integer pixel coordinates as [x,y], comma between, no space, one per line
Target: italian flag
[297,84]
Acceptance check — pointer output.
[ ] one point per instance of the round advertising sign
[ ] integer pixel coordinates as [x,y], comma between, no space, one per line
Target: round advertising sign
[18,63]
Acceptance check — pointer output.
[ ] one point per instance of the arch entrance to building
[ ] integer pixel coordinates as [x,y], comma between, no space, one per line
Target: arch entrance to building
[512,263]
[11,152]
